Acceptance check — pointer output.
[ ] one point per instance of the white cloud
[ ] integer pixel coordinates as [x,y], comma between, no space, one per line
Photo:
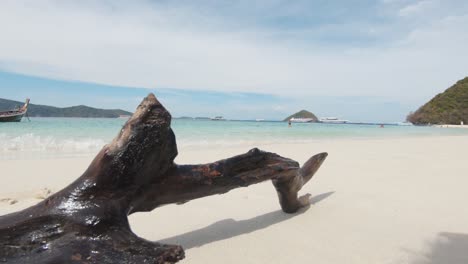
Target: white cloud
[417,8]
[155,45]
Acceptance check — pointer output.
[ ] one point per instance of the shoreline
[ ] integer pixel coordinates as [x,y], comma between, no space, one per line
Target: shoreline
[450,126]
[187,145]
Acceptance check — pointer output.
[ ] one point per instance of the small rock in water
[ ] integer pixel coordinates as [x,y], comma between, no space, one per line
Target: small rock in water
[13,201]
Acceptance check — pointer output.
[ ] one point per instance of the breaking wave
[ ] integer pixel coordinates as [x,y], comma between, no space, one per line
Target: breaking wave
[13,146]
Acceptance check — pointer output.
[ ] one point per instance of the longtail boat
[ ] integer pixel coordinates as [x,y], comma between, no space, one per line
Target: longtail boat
[14,115]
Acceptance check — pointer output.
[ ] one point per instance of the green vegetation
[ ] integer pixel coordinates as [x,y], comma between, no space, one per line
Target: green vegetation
[74,111]
[302,114]
[449,107]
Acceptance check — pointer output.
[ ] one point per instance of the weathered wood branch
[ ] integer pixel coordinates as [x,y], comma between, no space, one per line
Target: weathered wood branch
[87,221]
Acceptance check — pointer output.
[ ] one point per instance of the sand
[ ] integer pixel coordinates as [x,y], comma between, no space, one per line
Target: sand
[399,200]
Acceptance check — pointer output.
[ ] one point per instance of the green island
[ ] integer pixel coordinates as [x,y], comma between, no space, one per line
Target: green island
[73,111]
[302,114]
[449,107]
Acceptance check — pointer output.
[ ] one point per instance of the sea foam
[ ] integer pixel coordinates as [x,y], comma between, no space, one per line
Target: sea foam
[12,146]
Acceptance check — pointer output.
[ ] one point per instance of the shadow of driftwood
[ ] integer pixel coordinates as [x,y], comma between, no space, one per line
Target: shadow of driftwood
[448,248]
[320,197]
[228,228]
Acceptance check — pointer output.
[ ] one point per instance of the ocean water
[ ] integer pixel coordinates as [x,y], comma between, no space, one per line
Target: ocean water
[71,137]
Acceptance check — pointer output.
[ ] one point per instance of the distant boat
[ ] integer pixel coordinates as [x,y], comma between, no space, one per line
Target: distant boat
[184,117]
[14,115]
[218,118]
[301,120]
[404,124]
[333,120]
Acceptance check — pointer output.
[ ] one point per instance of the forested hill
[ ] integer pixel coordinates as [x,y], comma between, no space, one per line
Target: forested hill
[73,111]
[449,107]
[302,114]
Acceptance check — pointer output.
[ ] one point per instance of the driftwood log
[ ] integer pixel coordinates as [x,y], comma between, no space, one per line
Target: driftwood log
[87,221]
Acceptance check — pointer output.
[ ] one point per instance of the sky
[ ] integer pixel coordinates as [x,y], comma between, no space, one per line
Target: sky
[360,60]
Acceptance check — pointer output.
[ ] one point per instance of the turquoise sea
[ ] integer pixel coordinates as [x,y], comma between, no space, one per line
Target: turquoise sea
[69,137]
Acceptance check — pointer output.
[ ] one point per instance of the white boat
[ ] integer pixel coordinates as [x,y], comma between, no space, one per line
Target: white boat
[218,118]
[333,120]
[404,124]
[301,120]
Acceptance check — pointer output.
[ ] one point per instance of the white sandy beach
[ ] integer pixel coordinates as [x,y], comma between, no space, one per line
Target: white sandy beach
[400,200]
[451,126]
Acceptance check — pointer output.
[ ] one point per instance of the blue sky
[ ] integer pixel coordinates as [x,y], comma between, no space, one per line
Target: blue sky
[360,60]
[195,103]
